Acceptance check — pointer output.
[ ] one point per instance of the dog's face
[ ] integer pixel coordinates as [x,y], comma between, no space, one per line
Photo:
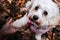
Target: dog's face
[44,13]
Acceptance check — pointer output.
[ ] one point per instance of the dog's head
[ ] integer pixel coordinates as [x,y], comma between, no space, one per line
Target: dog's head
[44,13]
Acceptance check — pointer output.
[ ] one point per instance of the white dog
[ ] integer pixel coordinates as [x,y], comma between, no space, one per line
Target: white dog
[43,14]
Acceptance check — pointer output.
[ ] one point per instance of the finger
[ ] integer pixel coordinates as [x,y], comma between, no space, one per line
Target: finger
[57,1]
[10,21]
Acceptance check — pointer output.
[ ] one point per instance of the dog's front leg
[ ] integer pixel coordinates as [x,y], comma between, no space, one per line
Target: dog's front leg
[20,22]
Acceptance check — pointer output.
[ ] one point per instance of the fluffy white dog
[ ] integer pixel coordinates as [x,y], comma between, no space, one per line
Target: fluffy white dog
[44,15]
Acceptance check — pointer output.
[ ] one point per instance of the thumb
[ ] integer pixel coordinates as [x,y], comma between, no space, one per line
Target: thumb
[10,21]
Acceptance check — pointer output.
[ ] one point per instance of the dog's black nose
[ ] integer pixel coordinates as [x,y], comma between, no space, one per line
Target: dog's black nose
[35,17]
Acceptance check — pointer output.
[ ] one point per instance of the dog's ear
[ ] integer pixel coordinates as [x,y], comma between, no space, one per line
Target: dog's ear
[57,2]
[59,21]
[29,4]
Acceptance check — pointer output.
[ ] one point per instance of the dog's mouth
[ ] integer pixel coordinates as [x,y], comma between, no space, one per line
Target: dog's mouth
[38,29]
[33,26]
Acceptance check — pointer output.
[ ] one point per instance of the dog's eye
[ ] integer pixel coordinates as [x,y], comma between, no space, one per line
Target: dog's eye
[37,7]
[45,13]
